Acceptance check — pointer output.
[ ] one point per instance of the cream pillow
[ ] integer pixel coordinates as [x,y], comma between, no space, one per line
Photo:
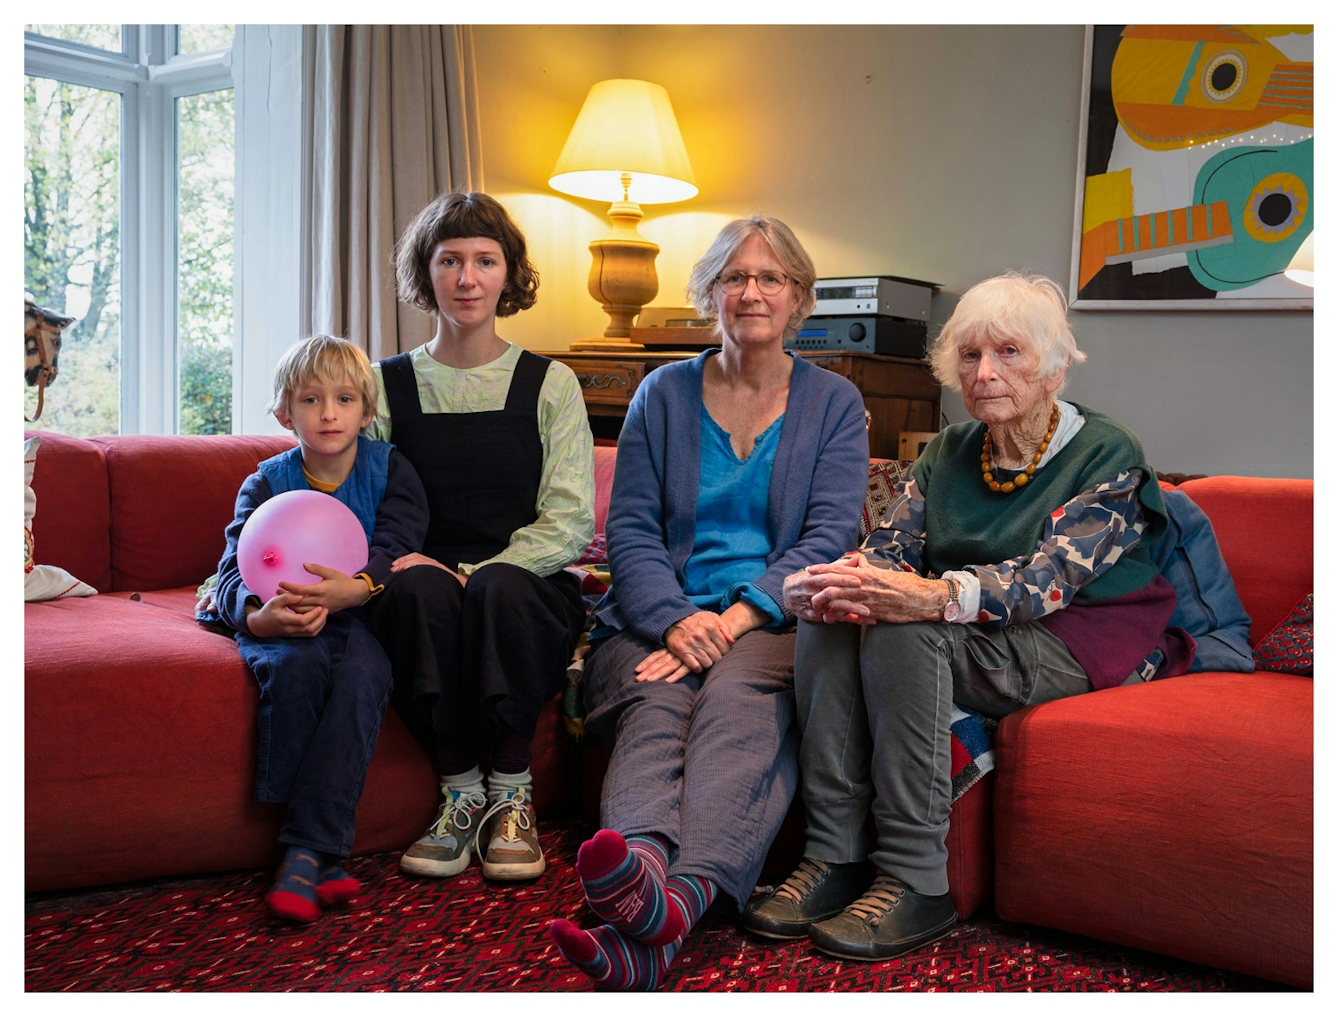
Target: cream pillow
[42,582]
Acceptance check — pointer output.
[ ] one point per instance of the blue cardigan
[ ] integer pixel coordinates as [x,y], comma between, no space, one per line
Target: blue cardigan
[817,490]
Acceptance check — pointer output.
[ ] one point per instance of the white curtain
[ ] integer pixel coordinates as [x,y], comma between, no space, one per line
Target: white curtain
[394,124]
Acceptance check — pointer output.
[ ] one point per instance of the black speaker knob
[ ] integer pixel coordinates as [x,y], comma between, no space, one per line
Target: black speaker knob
[856,332]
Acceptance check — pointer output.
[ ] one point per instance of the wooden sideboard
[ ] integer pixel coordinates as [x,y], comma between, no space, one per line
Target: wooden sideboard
[899,393]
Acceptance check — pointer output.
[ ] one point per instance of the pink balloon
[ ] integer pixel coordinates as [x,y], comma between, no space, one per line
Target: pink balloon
[296,527]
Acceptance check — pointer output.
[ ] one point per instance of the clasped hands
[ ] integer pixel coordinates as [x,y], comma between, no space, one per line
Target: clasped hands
[301,609]
[852,590]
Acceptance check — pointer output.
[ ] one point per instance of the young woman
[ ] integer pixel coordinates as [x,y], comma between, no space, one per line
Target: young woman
[479,627]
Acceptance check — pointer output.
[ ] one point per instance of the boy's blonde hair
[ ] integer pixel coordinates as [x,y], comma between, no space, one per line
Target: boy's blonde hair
[325,358]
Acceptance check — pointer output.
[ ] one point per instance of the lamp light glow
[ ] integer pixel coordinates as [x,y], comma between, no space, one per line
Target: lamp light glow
[625,126]
[625,148]
[1301,269]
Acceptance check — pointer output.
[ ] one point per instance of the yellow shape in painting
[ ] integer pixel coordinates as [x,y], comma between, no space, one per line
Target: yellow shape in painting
[1107,196]
[1176,85]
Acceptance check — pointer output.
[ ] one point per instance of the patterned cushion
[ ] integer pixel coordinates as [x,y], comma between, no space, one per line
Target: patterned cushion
[882,478]
[596,554]
[1290,648]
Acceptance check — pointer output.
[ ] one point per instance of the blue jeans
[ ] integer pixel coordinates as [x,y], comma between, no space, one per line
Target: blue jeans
[321,704]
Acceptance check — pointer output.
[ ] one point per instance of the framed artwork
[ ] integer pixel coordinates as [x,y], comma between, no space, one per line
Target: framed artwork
[1196,179]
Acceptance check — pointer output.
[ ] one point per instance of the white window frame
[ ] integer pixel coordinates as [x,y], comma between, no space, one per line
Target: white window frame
[149,88]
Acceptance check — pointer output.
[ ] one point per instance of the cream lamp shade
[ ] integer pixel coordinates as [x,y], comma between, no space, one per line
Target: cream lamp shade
[625,148]
[625,127]
[1302,266]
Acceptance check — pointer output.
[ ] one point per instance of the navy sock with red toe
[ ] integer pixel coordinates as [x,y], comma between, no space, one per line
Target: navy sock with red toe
[294,894]
[334,886]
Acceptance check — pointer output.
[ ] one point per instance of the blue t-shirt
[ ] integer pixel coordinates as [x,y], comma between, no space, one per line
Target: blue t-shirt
[733,536]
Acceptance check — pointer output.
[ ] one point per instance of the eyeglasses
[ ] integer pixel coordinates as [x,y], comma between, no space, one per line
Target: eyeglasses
[768,283]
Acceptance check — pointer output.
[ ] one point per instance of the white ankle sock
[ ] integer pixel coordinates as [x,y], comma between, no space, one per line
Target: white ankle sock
[471,781]
[499,784]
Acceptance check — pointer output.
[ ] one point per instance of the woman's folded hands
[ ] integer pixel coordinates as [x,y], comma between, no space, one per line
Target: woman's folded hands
[854,590]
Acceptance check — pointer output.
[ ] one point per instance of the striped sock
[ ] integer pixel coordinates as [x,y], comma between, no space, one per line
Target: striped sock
[689,896]
[624,885]
[613,960]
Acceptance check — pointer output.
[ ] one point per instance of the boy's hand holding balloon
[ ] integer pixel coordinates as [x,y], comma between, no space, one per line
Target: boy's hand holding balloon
[284,548]
[283,615]
[334,592]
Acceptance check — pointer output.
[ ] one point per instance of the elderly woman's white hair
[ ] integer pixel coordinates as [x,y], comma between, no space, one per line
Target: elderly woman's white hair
[794,261]
[1029,309]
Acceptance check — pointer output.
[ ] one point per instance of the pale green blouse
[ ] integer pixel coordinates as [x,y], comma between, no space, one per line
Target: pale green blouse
[566,500]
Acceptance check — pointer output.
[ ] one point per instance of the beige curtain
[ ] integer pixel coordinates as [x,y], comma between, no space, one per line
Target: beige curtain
[394,124]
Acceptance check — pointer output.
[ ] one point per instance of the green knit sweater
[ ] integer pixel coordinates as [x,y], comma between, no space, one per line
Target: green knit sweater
[968,524]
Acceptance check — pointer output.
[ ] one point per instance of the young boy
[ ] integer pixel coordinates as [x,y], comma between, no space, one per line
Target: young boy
[324,679]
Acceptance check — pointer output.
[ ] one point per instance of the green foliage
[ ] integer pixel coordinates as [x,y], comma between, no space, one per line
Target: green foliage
[71,245]
[204,261]
[200,38]
[98,36]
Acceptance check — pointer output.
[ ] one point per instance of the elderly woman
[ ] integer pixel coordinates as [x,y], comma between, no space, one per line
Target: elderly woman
[734,470]
[1012,569]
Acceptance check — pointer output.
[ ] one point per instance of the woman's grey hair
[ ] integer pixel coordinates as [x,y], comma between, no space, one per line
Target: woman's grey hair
[794,261]
[1029,309]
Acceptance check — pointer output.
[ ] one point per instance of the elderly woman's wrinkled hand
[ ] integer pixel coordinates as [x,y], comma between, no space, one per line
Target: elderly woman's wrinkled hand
[885,595]
[802,588]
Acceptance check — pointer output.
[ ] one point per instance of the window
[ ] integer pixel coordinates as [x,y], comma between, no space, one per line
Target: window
[128,223]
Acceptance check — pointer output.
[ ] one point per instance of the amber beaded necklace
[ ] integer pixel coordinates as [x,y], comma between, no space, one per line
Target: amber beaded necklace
[986,453]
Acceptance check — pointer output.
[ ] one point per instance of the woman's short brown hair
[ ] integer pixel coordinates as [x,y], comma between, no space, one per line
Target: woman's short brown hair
[458,214]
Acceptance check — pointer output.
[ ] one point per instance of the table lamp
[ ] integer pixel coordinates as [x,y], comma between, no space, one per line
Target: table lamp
[624,148]
[1302,266]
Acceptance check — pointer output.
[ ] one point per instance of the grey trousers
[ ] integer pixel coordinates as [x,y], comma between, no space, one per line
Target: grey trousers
[874,704]
[709,762]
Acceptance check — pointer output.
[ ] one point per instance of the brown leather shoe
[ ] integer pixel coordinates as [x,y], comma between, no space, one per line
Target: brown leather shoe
[888,921]
[814,891]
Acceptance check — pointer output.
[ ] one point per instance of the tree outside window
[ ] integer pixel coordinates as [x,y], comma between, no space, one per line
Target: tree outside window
[157,219]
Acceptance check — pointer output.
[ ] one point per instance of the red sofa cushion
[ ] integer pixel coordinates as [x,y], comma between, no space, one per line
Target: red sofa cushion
[1273,573]
[171,499]
[72,528]
[1175,816]
[140,744]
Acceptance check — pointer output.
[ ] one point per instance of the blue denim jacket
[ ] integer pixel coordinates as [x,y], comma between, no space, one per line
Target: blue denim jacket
[1208,607]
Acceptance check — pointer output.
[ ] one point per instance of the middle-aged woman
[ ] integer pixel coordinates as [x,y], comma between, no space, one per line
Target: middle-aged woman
[1011,569]
[734,470]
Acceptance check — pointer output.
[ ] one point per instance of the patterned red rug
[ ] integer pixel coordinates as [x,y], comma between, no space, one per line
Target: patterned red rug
[214,934]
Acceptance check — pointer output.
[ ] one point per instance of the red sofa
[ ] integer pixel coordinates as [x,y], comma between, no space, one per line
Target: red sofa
[1175,816]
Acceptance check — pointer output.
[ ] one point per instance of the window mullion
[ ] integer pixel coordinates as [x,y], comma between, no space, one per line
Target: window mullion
[153,343]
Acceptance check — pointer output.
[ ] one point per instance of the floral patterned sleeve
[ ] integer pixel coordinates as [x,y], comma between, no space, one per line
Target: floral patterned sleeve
[900,537]
[1082,539]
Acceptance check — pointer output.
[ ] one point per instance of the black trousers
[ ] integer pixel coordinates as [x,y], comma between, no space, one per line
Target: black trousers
[467,660]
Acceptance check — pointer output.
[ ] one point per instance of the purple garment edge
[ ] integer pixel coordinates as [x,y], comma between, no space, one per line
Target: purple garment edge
[1112,638]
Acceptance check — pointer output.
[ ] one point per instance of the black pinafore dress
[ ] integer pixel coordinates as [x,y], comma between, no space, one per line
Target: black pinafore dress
[500,649]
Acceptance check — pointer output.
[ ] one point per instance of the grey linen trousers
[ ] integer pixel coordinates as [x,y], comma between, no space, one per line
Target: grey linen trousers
[709,762]
[874,705]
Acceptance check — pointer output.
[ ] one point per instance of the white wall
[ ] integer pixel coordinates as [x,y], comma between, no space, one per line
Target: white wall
[940,153]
